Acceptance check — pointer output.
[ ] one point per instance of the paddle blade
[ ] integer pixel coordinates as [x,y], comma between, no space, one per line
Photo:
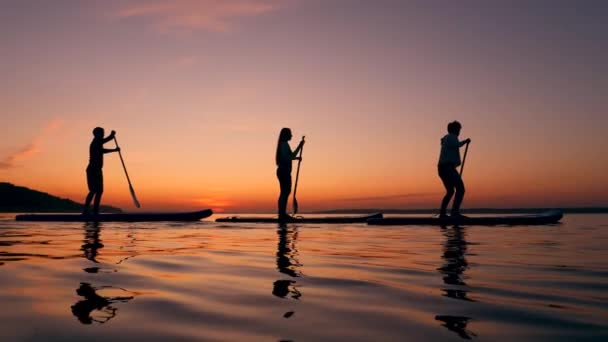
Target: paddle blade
[135,201]
[295,206]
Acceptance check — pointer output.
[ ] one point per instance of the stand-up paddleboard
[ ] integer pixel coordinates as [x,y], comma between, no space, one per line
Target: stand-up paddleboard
[546,217]
[124,217]
[300,219]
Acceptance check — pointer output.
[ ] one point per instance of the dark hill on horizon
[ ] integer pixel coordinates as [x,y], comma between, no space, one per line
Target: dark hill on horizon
[18,199]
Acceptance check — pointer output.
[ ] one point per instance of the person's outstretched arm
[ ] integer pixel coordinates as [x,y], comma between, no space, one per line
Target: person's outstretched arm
[105,150]
[109,137]
[464,142]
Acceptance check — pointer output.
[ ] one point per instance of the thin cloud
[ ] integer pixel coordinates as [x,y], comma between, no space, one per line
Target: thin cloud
[391,197]
[193,15]
[24,153]
[31,149]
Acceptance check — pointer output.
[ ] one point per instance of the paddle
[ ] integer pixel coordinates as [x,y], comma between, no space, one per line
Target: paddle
[128,179]
[466,149]
[295,201]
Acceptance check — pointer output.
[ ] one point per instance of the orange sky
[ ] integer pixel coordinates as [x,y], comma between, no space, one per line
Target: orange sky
[198,91]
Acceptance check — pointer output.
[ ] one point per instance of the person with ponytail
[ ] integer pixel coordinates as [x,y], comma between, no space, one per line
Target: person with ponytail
[283,158]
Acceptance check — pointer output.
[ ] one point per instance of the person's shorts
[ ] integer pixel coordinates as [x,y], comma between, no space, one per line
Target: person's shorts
[450,176]
[95,180]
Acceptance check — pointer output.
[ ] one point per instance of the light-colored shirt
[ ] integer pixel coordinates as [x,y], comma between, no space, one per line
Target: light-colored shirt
[285,155]
[450,150]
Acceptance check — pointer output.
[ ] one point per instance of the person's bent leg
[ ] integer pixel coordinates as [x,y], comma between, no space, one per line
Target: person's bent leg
[446,200]
[91,180]
[448,184]
[459,185]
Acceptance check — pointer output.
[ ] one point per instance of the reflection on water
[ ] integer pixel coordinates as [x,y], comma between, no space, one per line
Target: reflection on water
[61,281]
[13,240]
[129,247]
[284,287]
[454,265]
[287,252]
[457,324]
[94,307]
[287,263]
[92,243]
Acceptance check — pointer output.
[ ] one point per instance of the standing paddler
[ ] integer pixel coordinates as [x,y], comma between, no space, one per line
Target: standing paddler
[284,157]
[94,173]
[449,160]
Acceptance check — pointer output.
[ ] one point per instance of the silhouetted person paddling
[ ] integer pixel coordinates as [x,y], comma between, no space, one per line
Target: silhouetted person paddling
[284,158]
[94,173]
[449,159]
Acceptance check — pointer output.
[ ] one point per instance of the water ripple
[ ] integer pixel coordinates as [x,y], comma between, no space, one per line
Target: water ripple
[208,281]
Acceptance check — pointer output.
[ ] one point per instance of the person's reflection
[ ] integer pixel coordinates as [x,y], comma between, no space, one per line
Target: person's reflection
[91,244]
[454,265]
[95,307]
[92,301]
[457,324]
[287,263]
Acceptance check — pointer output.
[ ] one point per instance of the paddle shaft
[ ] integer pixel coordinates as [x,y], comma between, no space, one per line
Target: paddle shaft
[127,174]
[295,188]
[466,149]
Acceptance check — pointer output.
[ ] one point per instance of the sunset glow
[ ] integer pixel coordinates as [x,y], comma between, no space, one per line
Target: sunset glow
[199,90]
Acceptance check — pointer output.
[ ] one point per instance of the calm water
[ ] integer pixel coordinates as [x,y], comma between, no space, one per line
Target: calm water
[211,281]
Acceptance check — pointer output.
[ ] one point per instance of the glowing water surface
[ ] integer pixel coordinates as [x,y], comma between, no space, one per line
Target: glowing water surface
[211,281]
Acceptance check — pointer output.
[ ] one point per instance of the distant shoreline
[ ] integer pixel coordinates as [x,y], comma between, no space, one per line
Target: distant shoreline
[565,210]
[579,210]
